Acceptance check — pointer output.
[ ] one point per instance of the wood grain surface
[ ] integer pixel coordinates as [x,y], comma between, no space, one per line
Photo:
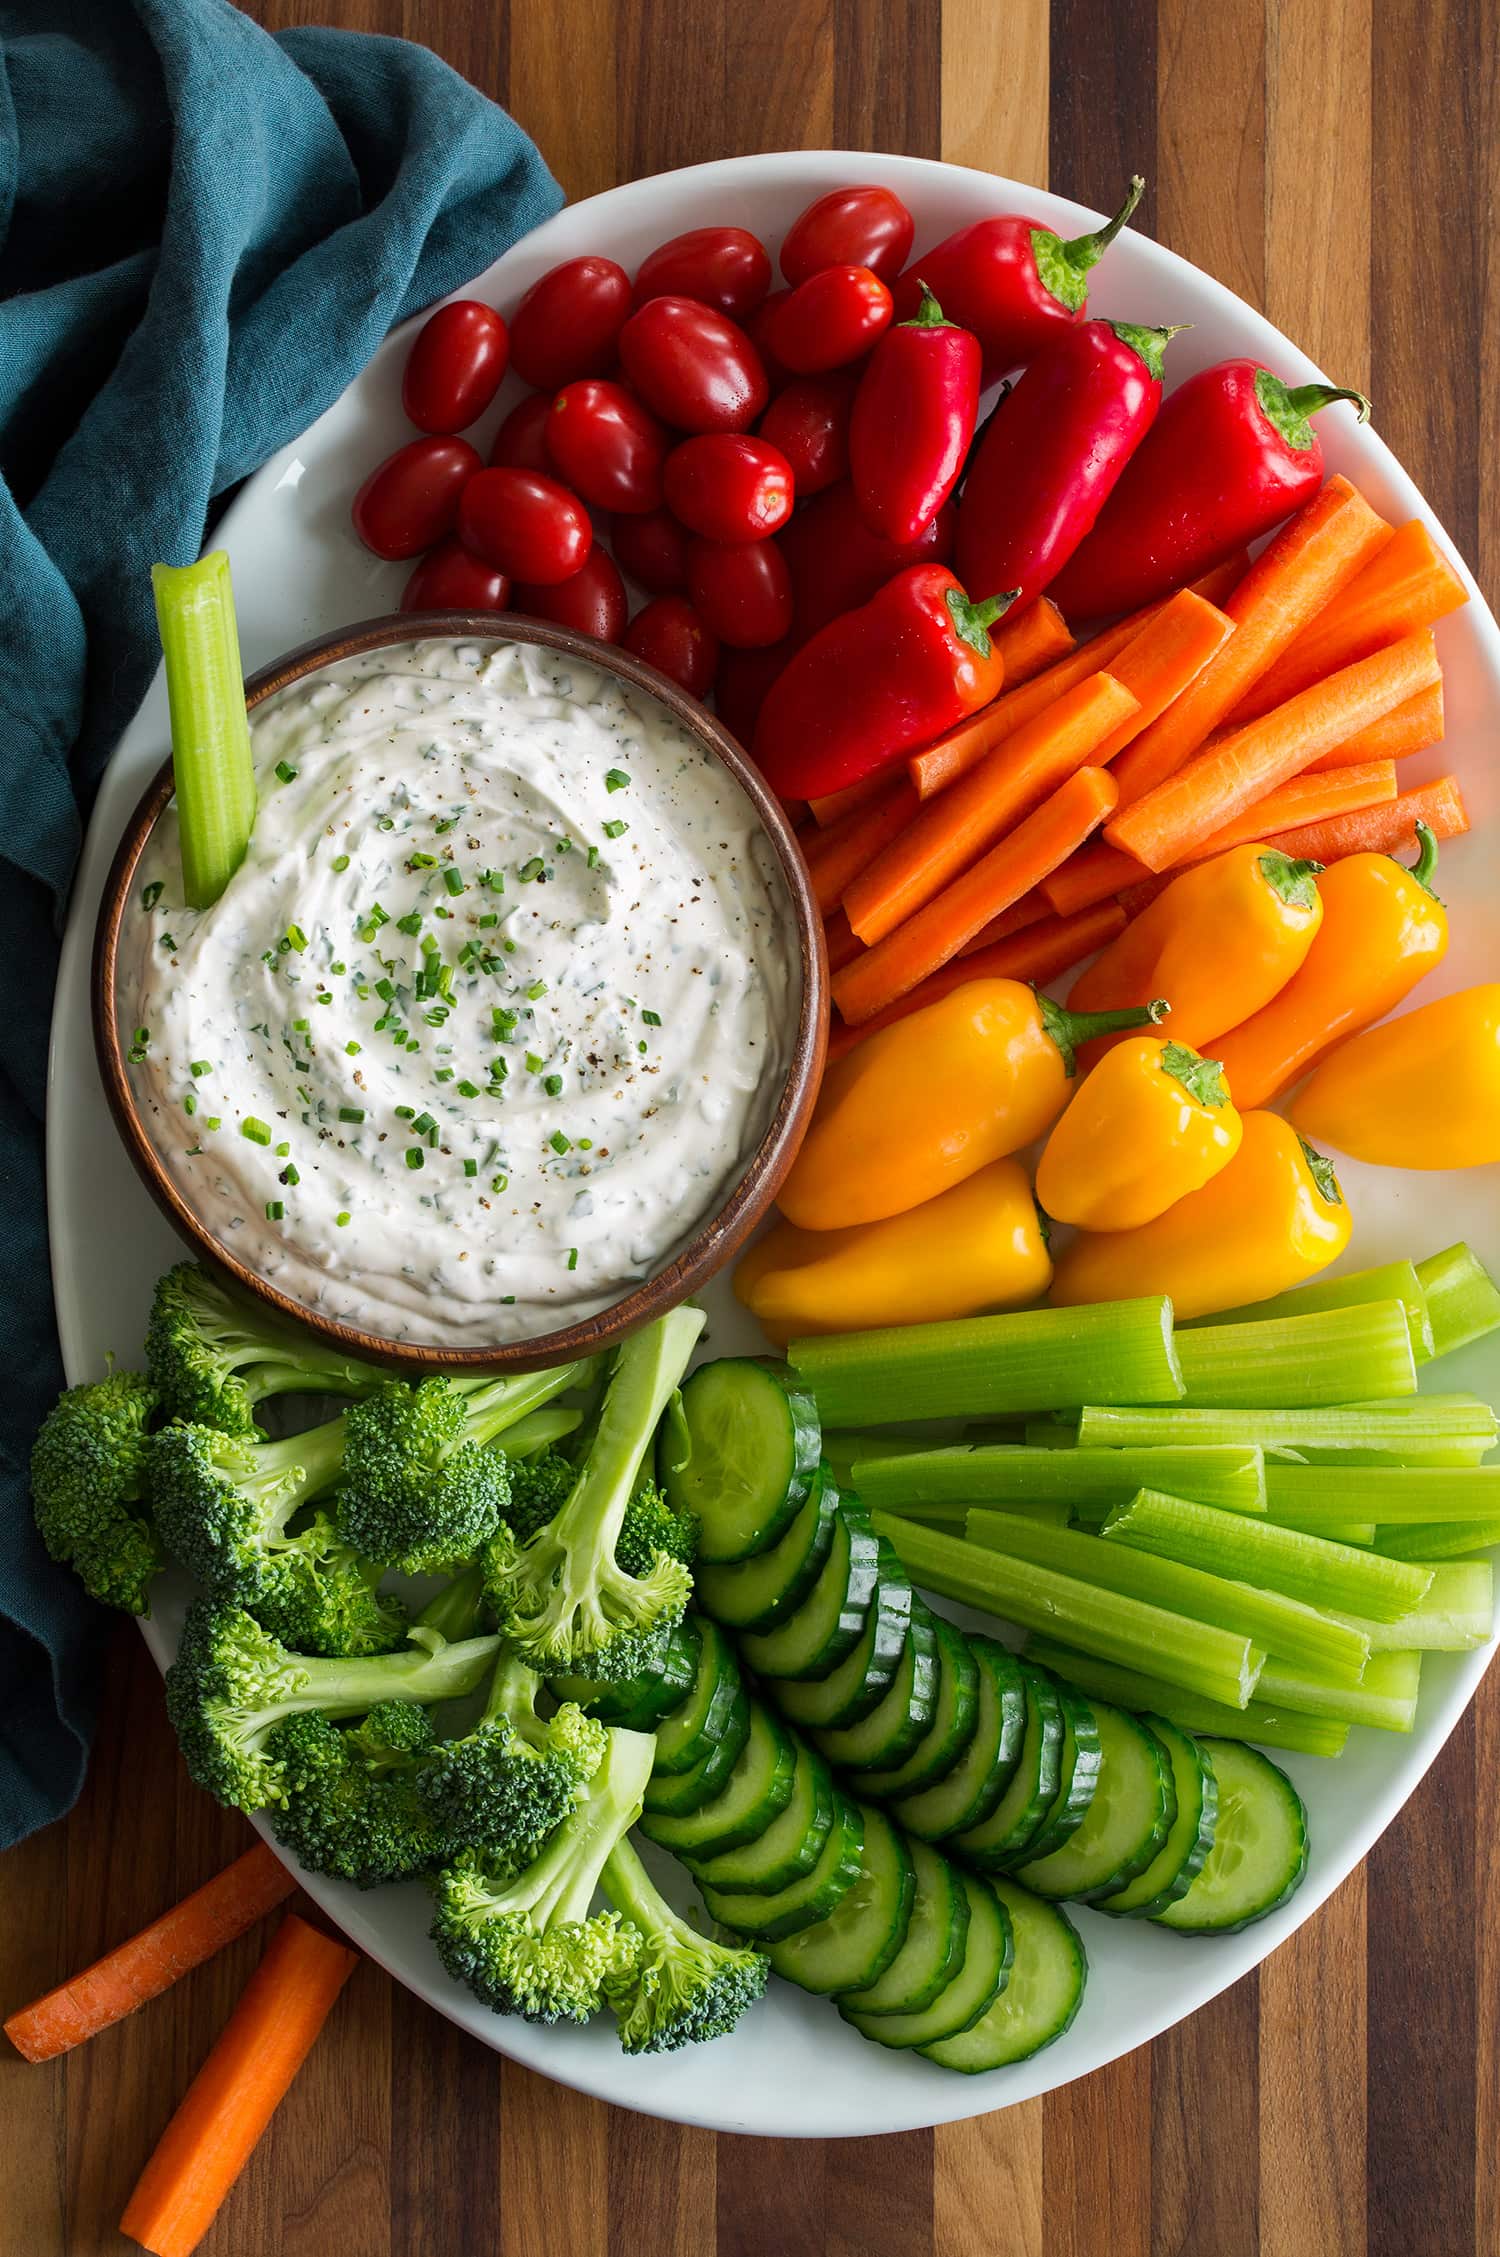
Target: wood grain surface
[1338,163]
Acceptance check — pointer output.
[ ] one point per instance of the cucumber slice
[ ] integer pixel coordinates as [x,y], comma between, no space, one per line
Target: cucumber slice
[894,1726]
[640,1703]
[756,1594]
[1260,1846]
[963,1999]
[768,1918]
[1045,1990]
[671,1793]
[791,1845]
[757,1790]
[865,1676]
[1180,1859]
[866,1929]
[832,1617]
[740,1450]
[933,1950]
[697,1724]
[1035,1777]
[1080,1766]
[1125,1824]
[970,1790]
[955,1716]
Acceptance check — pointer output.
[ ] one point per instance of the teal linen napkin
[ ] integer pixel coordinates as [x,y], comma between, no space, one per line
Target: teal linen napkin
[204,234]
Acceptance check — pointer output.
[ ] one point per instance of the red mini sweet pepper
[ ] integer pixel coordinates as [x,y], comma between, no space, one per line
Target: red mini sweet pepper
[1051,453]
[1012,281]
[1231,454]
[876,682]
[914,415]
[837,563]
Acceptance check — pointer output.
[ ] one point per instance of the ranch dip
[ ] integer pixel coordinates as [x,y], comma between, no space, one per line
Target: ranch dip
[493,1014]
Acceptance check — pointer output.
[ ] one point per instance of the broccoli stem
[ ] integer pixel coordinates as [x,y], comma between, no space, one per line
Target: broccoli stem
[635,1896]
[318,1455]
[454,1611]
[495,1404]
[539,1430]
[648,1369]
[560,1883]
[430,1672]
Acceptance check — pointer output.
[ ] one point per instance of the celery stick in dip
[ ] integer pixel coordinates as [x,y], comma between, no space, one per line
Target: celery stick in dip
[493,1014]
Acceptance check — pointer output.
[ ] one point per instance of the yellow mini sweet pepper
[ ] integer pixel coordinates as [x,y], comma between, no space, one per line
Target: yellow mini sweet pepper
[1418,1092]
[1220,941]
[1270,1220]
[977,1247]
[926,1102]
[1151,1123]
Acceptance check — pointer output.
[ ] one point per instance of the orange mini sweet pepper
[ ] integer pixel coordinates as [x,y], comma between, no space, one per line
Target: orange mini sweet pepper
[1151,1123]
[1418,1092]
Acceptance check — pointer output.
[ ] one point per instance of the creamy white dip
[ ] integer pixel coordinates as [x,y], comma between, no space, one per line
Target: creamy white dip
[495,1011]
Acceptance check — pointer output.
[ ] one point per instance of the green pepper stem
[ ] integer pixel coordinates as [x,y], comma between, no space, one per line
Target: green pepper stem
[1306,399]
[1085,251]
[1202,1078]
[1425,866]
[1287,409]
[972,621]
[1150,344]
[1071,1029]
[929,314]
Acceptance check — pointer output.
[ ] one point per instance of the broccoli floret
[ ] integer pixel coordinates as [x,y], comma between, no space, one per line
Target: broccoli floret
[225,1506]
[352,1803]
[651,1526]
[421,1490]
[565,1595]
[516,1774]
[682,1987]
[520,1933]
[232,1683]
[538,1491]
[213,1357]
[88,1470]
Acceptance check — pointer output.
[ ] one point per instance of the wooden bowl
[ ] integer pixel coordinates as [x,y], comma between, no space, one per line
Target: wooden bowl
[748,1198]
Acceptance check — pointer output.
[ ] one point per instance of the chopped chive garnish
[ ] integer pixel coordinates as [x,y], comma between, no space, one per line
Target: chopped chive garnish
[406,1112]
[322,996]
[448,823]
[289,1174]
[354,1113]
[151,895]
[421,862]
[413,1046]
[593,857]
[342,1219]
[386,823]
[650,1018]
[213,1121]
[199,1067]
[615,829]
[559,1142]
[585,1144]
[286,772]
[532,868]
[353,1049]
[616,780]
[378,917]
[537,988]
[301,1026]
[254,1131]
[190,1104]
[424,1124]
[471,1167]
[275,1209]
[453,878]
[386,990]
[553,1085]
[572,1257]
[501,1183]
[641,1047]
[341,862]
[490,917]
[168,943]
[534,1064]
[468,1089]
[415,1157]
[410,923]
[282,1150]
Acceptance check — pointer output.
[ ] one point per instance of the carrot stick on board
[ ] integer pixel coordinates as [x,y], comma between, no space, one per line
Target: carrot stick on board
[1157,665]
[950,832]
[833,806]
[838,854]
[1306,799]
[1314,555]
[1407,584]
[1095,873]
[1390,829]
[1169,824]
[1029,639]
[1042,952]
[150,1962]
[843,945]
[1407,728]
[1029,910]
[936,934]
[236,2092]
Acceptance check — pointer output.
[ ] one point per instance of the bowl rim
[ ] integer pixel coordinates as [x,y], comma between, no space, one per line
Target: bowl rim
[754,1187]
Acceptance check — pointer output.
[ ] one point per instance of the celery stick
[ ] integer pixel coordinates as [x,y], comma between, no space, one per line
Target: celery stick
[1050,1434]
[1463,1302]
[1232,1477]
[985,1367]
[211,762]
[1267,1618]
[1393,1281]
[1275,1559]
[1129,1688]
[1341,1356]
[1437,1539]
[1427,1430]
[1337,1531]
[1197,1655]
[1457,1614]
[1311,1496]
[1385,1698]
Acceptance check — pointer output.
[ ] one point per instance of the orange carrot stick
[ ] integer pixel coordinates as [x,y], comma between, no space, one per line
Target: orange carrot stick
[1390,829]
[1029,639]
[149,1963]
[832,806]
[937,933]
[1407,584]
[1171,822]
[1306,799]
[1094,873]
[1029,910]
[953,830]
[1042,952]
[1411,727]
[1312,557]
[843,945]
[837,855]
[1157,665]
[236,2092]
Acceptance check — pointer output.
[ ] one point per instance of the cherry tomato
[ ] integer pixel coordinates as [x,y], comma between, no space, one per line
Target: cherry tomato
[722,267]
[450,579]
[741,684]
[608,447]
[849,227]
[652,548]
[809,423]
[410,500]
[592,601]
[670,636]
[454,368]
[728,487]
[697,368]
[521,442]
[830,319]
[566,325]
[758,329]
[743,589]
[527,524]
